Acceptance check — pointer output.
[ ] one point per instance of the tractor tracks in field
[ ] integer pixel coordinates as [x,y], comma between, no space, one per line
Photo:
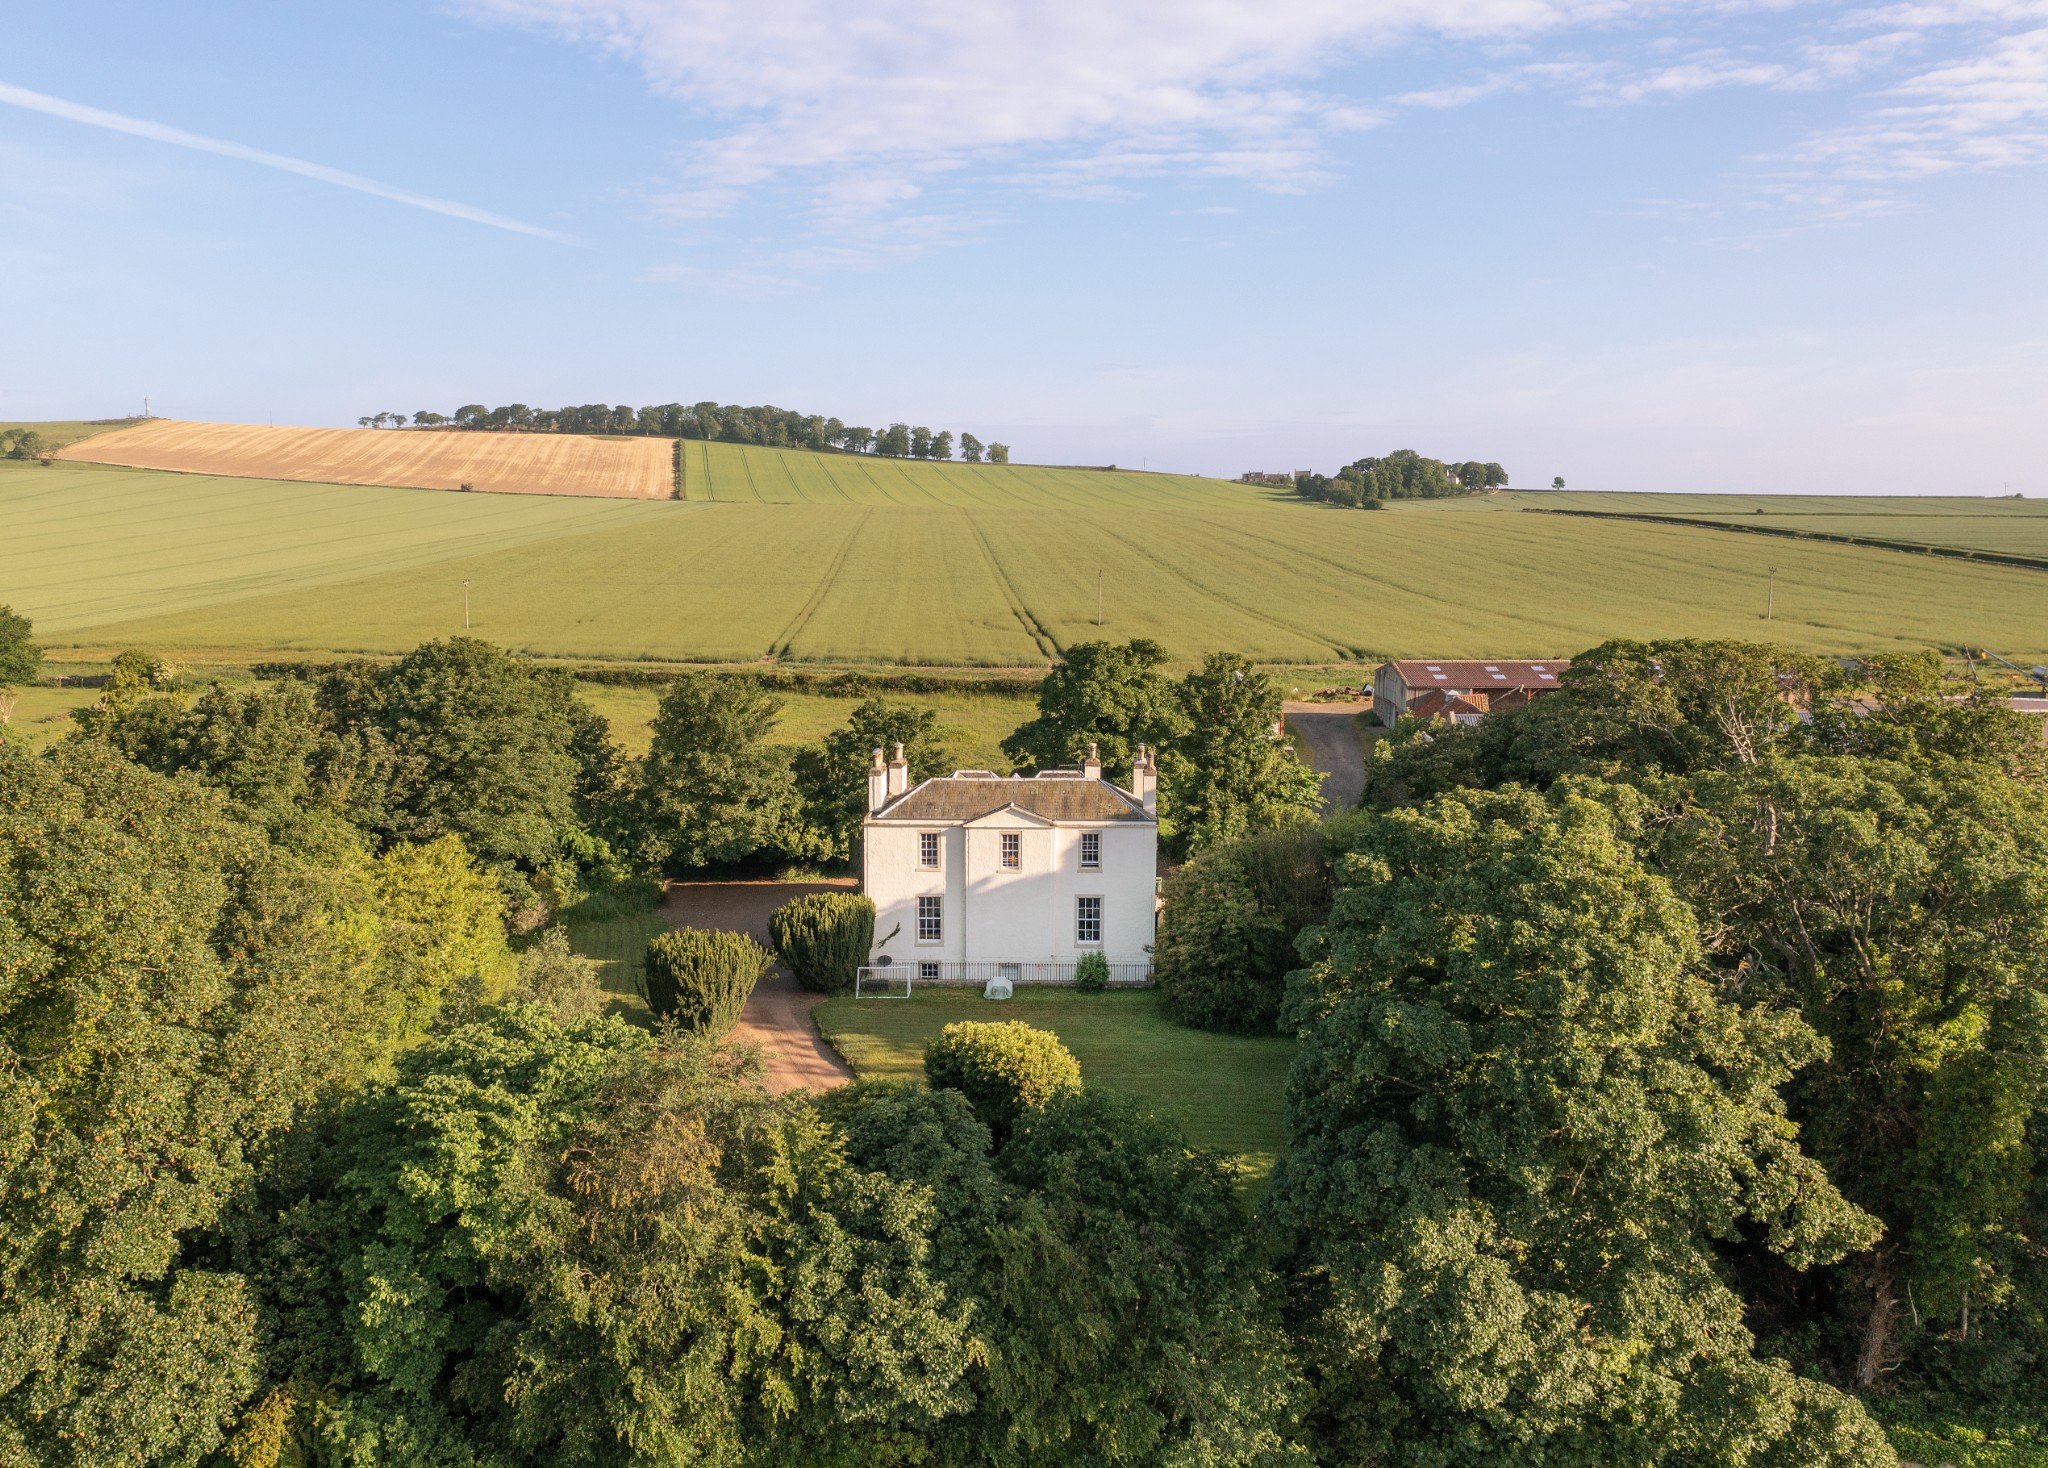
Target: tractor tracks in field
[1037,631]
[789,634]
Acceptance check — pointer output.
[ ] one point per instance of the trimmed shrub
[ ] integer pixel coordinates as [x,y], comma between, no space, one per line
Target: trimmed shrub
[701,978]
[1227,930]
[823,938]
[1004,1068]
[1091,974]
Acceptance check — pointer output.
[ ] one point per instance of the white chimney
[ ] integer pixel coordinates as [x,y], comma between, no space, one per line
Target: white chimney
[878,783]
[1091,767]
[1145,781]
[899,773]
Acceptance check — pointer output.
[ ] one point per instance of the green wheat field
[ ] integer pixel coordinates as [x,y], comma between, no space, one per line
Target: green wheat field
[843,559]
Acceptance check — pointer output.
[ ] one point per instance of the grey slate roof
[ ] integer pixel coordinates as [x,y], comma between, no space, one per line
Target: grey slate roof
[947,798]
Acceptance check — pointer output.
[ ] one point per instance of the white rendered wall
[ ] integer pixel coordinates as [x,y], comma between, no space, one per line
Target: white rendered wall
[998,915]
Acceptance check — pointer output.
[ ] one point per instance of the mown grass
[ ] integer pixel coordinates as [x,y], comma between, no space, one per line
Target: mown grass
[618,944]
[993,577]
[1227,1092]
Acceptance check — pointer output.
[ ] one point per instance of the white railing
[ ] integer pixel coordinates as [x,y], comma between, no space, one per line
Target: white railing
[896,980]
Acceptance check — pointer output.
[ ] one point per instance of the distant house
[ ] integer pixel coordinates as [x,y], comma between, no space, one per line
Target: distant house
[1466,690]
[976,876]
[1258,476]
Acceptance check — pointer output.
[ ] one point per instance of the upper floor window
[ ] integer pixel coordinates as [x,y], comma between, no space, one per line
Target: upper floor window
[931,919]
[1087,919]
[927,848]
[1091,850]
[1013,850]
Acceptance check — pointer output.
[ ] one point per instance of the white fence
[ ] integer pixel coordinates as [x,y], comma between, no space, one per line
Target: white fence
[896,980]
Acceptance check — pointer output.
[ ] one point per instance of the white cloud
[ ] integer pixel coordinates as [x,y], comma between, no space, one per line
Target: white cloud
[158,132]
[1070,93]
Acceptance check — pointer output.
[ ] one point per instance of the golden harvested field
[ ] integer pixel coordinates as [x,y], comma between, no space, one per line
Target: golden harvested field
[408,458]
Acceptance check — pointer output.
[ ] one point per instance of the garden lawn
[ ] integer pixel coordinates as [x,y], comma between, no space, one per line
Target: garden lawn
[618,944]
[1226,1091]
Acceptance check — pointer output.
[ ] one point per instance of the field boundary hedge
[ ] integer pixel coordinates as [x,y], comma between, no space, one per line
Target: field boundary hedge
[841,684]
[1787,532]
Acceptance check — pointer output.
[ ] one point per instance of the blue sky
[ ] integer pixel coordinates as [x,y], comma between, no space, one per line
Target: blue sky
[1658,246]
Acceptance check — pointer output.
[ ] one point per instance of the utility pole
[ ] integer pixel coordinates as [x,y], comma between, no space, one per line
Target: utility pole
[145,405]
[1771,594]
[1098,598]
[465,606]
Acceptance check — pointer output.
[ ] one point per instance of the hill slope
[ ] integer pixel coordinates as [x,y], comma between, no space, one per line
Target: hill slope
[109,557]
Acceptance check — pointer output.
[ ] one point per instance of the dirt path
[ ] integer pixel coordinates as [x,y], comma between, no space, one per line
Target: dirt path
[778,1015]
[1328,739]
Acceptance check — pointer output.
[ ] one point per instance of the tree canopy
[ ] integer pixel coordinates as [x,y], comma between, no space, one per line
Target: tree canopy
[1523,1119]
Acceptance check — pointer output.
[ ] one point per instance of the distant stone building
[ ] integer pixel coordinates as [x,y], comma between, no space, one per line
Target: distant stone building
[976,876]
[1462,690]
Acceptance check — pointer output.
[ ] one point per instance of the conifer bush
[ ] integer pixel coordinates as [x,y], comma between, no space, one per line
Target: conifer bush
[700,978]
[823,938]
[1004,1068]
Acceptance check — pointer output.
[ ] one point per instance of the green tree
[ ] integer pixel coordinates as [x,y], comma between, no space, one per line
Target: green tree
[1117,1297]
[999,453]
[592,1247]
[1230,773]
[894,440]
[712,789]
[1004,1068]
[831,777]
[442,937]
[1228,926]
[942,444]
[1522,1121]
[558,980]
[481,748]
[1903,911]
[920,443]
[173,989]
[970,448]
[20,658]
[1112,695]
[1558,482]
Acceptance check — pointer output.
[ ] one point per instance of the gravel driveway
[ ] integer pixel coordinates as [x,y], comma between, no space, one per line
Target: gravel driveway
[1327,736]
[778,1015]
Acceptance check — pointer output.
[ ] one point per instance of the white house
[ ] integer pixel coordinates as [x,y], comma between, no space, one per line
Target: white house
[975,876]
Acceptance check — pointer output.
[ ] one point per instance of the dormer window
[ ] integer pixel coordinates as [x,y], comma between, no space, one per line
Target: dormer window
[928,849]
[1091,851]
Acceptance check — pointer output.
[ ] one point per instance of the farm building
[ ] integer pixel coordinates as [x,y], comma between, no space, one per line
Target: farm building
[977,876]
[1477,688]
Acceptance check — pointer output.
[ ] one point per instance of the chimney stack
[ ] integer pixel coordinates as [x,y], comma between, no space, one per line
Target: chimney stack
[878,783]
[899,773]
[1091,767]
[1145,781]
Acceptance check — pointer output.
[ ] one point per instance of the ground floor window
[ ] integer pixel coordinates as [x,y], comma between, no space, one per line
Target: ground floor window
[1087,919]
[931,919]
[928,973]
